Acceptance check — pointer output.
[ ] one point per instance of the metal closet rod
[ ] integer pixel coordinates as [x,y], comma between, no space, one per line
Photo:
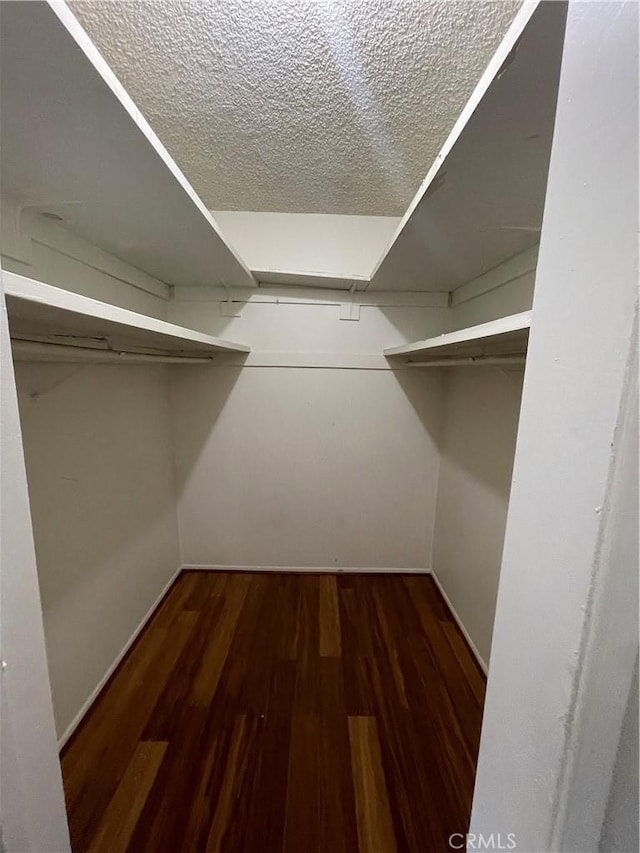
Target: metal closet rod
[66,353]
[479,361]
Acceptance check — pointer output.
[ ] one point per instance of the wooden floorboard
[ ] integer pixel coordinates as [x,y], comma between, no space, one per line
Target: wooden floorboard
[269,713]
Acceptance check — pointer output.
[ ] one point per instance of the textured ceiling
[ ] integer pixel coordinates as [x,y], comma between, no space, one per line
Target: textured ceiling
[303,106]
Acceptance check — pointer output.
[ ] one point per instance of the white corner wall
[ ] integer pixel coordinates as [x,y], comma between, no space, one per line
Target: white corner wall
[482,407]
[506,289]
[308,242]
[98,453]
[99,467]
[99,461]
[620,829]
[32,812]
[480,425]
[300,466]
[45,250]
[566,630]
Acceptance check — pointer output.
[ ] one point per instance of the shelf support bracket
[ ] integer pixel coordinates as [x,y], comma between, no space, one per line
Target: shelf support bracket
[229,308]
[350,310]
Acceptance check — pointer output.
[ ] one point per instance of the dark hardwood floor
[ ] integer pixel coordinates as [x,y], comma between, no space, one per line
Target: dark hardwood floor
[293,713]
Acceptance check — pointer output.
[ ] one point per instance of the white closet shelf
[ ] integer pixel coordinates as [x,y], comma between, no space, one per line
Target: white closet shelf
[311,279]
[499,341]
[75,145]
[49,323]
[482,200]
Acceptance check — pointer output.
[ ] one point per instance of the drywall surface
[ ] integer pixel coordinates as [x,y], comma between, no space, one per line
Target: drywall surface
[306,467]
[480,425]
[538,731]
[513,298]
[620,829]
[32,811]
[300,466]
[298,321]
[40,248]
[506,289]
[610,649]
[299,106]
[99,465]
[332,244]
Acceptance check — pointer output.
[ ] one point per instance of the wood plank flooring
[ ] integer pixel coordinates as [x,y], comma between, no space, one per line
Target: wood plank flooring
[290,713]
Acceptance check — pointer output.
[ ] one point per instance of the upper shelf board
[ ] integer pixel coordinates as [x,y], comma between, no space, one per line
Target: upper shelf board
[506,336]
[74,144]
[310,279]
[483,199]
[39,311]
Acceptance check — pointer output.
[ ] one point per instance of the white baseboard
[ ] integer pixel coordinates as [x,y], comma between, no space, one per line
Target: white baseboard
[347,570]
[73,725]
[460,624]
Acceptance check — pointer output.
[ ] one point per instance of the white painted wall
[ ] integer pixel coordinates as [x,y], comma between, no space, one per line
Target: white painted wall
[555,699]
[42,249]
[512,298]
[32,812]
[306,467]
[609,652]
[301,320]
[506,289]
[296,466]
[620,828]
[308,242]
[480,425]
[99,464]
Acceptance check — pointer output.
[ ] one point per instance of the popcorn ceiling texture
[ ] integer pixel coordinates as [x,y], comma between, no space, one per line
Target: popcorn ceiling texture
[301,106]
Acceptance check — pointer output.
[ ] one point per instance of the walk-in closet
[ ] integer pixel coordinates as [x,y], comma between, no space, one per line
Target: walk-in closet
[319,453]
